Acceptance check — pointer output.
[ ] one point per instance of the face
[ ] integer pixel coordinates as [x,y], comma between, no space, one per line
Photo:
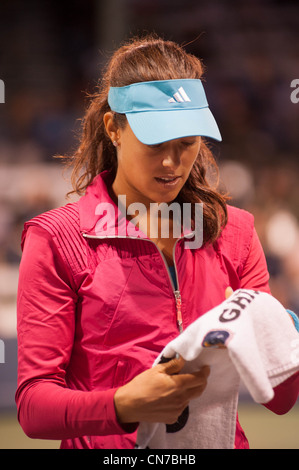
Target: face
[151,173]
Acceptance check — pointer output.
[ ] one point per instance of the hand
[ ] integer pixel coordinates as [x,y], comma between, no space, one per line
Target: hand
[160,394]
[228,292]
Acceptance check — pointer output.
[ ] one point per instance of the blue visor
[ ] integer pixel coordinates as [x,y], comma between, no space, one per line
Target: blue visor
[163,110]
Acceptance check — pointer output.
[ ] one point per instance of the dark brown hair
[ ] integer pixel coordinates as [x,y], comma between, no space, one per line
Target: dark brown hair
[146,59]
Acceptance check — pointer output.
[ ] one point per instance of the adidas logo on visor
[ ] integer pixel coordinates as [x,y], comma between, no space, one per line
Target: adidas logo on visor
[180,96]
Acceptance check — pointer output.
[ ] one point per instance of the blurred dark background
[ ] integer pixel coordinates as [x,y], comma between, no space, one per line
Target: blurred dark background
[52,53]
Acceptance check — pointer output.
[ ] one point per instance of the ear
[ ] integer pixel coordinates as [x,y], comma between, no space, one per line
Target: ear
[110,126]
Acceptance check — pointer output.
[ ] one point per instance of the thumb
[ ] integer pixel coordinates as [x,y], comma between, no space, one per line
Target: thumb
[173,366]
[228,292]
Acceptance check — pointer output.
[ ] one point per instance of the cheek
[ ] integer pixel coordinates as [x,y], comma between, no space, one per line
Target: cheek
[189,159]
[135,167]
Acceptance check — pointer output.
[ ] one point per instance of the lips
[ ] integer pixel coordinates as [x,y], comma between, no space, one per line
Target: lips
[168,180]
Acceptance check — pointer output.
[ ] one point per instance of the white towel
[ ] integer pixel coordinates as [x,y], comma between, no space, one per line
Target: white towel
[260,349]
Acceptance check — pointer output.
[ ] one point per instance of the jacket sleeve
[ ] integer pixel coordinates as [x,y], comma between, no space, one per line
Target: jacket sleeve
[255,276]
[46,307]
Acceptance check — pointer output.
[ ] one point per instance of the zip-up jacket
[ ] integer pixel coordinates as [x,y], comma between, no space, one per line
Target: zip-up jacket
[97,304]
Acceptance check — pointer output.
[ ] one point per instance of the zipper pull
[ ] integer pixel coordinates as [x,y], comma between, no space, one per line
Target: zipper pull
[178,304]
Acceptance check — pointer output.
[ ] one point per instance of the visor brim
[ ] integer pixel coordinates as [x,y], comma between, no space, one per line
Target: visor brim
[155,127]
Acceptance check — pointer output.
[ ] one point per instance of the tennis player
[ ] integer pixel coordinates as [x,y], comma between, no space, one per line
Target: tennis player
[99,295]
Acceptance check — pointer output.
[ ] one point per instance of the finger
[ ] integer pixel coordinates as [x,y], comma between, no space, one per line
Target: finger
[194,379]
[205,370]
[228,292]
[174,366]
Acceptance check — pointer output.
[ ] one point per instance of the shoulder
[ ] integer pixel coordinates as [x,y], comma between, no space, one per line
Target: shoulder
[240,224]
[57,220]
[236,237]
[238,217]
[63,226]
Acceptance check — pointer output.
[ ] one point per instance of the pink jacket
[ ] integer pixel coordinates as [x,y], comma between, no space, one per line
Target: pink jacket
[95,310]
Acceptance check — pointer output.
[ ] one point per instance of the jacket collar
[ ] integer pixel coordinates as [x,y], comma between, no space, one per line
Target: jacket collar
[101,217]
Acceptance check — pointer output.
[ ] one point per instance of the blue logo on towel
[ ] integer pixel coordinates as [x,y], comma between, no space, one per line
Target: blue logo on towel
[215,339]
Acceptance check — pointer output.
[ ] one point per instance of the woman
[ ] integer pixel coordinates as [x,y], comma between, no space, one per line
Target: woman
[100,291]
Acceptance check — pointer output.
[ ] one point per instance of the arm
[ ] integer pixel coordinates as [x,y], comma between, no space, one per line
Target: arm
[46,324]
[255,276]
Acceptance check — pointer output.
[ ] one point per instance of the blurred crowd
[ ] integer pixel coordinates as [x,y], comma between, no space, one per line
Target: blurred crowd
[54,53]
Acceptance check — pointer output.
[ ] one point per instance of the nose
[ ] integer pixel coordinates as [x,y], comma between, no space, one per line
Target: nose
[171,156]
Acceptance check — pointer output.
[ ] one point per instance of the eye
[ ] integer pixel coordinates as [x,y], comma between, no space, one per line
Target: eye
[155,146]
[188,143]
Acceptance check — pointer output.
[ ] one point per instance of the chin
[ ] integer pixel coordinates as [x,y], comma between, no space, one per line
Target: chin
[167,198]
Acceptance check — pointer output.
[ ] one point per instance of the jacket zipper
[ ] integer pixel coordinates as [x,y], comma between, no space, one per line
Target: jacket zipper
[178,304]
[177,294]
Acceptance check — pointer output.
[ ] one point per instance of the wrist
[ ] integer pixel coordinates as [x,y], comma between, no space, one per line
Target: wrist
[123,412]
[294,318]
